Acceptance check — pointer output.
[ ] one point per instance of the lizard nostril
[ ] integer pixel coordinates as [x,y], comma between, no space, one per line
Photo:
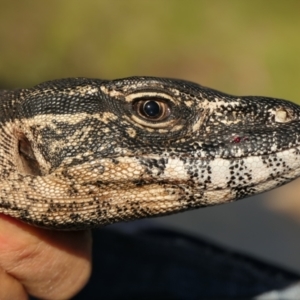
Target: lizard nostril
[282,115]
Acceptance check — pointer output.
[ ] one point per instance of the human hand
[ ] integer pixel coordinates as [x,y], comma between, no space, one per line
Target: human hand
[44,263]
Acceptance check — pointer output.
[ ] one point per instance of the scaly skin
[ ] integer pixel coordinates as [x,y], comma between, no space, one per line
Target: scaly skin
[79,153]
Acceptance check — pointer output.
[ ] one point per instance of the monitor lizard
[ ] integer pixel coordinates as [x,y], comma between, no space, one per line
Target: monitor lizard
[79,153]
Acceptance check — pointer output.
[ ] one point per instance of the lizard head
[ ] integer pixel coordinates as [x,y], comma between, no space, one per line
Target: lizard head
[105,151]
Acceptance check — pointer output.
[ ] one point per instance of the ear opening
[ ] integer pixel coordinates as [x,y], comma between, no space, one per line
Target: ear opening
[27,160]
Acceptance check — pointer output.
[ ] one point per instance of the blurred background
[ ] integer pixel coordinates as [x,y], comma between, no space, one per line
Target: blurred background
[239,47]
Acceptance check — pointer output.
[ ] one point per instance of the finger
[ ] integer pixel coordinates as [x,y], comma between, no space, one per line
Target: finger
[49,264]
[10,288]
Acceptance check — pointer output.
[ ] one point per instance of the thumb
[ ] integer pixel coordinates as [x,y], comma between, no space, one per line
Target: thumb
[45,263]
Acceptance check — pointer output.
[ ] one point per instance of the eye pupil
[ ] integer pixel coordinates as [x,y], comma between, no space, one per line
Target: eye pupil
[152,108]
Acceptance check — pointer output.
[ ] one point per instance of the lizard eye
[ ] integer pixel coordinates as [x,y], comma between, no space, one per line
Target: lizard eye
[153,109]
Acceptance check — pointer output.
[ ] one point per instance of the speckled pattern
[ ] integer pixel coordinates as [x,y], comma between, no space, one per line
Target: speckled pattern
[79,153]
